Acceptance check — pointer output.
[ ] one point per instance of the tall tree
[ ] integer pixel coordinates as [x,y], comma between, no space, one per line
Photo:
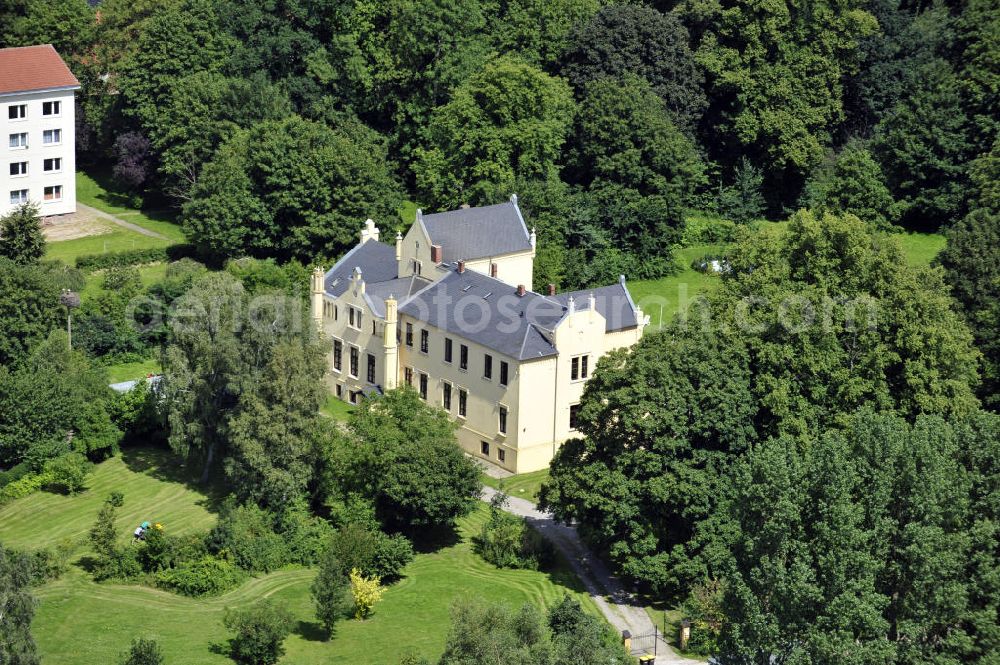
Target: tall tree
[505,123]
[539,30]
[852,182]
[635,40]
[29,308]
[290,189]
[403,457]
[809,325]
[21,238]
[17,608]
[66,24]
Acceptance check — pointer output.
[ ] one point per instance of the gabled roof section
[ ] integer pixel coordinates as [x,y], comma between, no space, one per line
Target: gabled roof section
[29,68]
[613,302]
[400,288]
[376,260]
[489,312]
[475,233]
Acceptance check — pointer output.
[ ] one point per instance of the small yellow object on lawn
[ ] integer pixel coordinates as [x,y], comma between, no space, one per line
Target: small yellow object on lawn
[158,526]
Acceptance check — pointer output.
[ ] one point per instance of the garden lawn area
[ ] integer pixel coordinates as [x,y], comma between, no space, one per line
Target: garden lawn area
[337,408]
[135,370]
[119,239]
[95,190]
[80,622]
[150,274]
[522,485]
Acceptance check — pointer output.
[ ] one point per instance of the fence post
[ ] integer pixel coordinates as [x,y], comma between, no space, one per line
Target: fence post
[627,640]
[685,634]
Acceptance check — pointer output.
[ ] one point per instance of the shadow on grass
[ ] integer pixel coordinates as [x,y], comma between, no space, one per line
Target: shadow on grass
[164,465]
[428,541]
[221,648]
[87,563]
[312,631]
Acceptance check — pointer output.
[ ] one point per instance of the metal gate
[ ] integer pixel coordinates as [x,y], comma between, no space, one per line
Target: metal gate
[648,643]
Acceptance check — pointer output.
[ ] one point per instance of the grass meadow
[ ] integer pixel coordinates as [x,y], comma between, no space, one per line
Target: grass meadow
[80,622]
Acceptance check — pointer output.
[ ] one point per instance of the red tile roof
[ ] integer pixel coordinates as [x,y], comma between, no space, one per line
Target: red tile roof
[27,68]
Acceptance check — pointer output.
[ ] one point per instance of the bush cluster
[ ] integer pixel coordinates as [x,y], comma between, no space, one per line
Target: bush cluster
[134,257]
[259,541]
[24,486]
[372,552]
[507,541]
[707,230]
[206,576]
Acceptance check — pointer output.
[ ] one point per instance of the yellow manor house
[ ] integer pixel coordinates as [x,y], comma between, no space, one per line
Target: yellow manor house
[450,310]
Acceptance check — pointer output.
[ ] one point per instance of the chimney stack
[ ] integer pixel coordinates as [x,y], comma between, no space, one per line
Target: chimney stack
[493,270]
[399,245]
[552,289]
[461,266]
[435,254]
[520,290]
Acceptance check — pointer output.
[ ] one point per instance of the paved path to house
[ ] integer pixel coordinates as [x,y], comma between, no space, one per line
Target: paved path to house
[618,605]
[119,221]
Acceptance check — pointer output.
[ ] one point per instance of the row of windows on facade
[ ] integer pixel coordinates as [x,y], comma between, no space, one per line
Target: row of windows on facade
[49,193]
[20,111]
[19,140]
[49,165]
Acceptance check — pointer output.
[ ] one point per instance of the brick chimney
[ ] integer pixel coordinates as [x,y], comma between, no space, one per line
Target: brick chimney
[520,290]
[552,289]
[461,266]
[435,254]
[493,270]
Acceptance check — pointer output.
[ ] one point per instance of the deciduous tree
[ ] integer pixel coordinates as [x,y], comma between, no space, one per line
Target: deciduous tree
[21,238]
[17,609]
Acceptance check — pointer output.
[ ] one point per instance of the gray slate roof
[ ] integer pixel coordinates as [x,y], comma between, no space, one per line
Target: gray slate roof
[489,312]
[401,288]
[376,260]
[475,233]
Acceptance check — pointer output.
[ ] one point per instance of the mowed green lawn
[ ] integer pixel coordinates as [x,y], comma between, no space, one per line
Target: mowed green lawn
[79,622]
[522,485]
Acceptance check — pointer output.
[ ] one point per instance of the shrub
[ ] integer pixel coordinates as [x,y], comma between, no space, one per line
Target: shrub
[703,607]
[507,541]
[116,499]
[50,563]
[247,537]
[371,552]
[366,591]
[133,257]
[207,576]
[144,652]
[23,486]
[121,565]
[306,536]
[68,472]
[16,472]
[157,551]
[707,230]
[260,631]
[329,592]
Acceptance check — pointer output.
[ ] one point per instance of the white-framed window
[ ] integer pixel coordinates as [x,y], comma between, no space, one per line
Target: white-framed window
[501,454]
[504,372]
[338,355]
[423,386]
[52,193]
[51,137]
[18,169]
[574,416]
[463,402]
[18,140]
[52,109]
[52,164]
[579,368]
[503,419]
[446,396]
[355,361]
[18,196]
[17,111]
[354,317]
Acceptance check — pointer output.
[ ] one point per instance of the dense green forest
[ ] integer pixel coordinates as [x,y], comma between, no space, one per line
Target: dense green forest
[275,126]
[805,461]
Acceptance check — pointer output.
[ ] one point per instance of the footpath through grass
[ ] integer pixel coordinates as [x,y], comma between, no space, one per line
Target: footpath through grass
[80,622]
[522,485]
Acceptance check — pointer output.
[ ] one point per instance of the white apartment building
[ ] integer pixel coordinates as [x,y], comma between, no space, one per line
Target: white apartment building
[450,311]
[37,130]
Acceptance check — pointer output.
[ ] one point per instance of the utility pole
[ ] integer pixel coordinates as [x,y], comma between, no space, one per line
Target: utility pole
[71,300]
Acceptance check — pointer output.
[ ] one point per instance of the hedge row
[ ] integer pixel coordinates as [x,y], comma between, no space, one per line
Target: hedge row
[134,257]
[24,486]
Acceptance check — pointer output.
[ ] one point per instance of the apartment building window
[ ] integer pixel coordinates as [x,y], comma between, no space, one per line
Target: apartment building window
[408,376]
[409,334]
[503,419]
[52,165]
[17,111]
[52,137]
[355,354]
[487,366]
[579,367]
[447,349]
[484,447]
[463,402]
[18,169]
[446,396]
[423,386]
[51,108]
[53,193]
[18,196]
[504,372]
[574,416]
[424,341]
[371,368]
[501,454]
[338,355]
[19,140]
[463,357]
